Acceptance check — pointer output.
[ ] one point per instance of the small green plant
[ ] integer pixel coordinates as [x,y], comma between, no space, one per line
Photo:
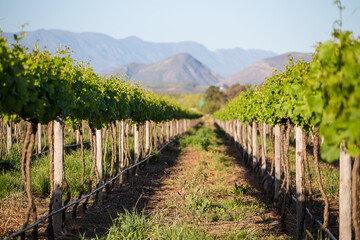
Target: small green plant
[319,235]
[156,159]
[239,190]
[205,143]
[196,203]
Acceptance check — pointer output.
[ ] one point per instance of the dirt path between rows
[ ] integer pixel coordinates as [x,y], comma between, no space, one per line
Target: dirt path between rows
[161,184]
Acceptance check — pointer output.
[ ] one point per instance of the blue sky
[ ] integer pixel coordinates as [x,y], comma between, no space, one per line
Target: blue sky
[276,25]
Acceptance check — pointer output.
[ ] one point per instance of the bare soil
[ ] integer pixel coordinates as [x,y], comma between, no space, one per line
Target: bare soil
[151,190]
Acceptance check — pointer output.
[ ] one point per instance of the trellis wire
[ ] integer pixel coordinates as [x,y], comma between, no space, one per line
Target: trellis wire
[66,146]
[309,213]
[84,197]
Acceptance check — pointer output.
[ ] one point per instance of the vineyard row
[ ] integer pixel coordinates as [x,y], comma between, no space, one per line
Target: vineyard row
[124,162]
[39,87]
[321,98]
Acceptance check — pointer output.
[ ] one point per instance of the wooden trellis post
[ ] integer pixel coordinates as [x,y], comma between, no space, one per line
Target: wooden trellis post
[277,160]
[167,132]
[177,127]
[244,152]
[136,147]
[172,129]
[8,137]
[264,151]
[184,127]
[99,166]
[121,150]
[300,178]
[345,194]
[39,132]
[249,149]
[147,139]
[77,136]
[255,153]
[235,132]
[58,172]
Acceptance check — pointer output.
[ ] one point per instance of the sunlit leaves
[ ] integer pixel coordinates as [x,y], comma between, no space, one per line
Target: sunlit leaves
[324,93]
[39,87]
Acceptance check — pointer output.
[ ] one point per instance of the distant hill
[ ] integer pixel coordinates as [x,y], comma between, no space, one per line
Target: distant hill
[179,73]
[257,72]
[106,53]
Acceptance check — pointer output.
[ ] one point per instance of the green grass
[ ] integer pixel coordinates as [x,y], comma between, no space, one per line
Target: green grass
[202,139]
[135,225]
[10,175]
[199,200]
[11,180]
[329,174]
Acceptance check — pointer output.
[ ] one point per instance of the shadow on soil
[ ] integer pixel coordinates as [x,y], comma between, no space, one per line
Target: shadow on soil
[255,183]
[135,193]
[266,197]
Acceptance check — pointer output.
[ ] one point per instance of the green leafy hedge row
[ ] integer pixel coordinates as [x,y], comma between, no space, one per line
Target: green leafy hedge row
[39,87]
[324,93]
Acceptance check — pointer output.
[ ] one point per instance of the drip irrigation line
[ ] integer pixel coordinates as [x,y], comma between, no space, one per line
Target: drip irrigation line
[66,146]
[84,197]
[306,209]
[308,213]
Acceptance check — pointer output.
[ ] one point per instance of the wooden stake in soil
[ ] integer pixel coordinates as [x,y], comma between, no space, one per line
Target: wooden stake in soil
[277,161]
[51,159]
[58,172]
[249,150]
[245,149]
[177,127]
[106,132]
[9,140]
[77,136]
[184,126]
[155,136]
[345,194]
[136,148]
[121,150]
[39,148]
[263,150]
[234,130]
[300,205]
[172,129]
[99,166]
[355,197]
[238,135]
[255,145]
[113,148]
[167,132]
[147,139]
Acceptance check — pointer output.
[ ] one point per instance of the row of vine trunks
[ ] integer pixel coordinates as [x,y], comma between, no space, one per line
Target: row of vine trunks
[148,137]
[246,139]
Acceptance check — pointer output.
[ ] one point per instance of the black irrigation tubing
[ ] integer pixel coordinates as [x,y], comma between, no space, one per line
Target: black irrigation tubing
[66,146]
[308,212]
[84,197]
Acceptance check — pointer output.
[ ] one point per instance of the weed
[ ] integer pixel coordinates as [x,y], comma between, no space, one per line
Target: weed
[156,159]
[239,190]
[198,203]
[10,182]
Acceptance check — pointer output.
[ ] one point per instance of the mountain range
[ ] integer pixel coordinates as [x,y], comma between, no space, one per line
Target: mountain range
[184,73]
[172,74]
[164,67]
[257,72]
[107,53]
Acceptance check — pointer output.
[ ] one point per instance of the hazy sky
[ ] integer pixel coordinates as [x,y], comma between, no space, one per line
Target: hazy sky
[277,25]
